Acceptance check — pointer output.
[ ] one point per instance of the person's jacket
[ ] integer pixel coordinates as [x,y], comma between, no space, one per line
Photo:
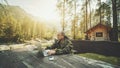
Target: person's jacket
[62,47]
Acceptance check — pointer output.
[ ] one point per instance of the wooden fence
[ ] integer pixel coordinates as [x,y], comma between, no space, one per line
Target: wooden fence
[100,47]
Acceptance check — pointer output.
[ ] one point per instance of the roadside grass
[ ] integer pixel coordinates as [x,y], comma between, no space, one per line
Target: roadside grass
[108,59]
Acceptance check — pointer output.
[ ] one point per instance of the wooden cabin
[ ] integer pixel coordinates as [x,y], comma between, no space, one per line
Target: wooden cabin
[99,32]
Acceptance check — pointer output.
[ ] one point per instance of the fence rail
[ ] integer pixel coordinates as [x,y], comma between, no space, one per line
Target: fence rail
[100,47]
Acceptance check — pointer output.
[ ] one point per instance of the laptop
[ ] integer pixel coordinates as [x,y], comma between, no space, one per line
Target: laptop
[41,52]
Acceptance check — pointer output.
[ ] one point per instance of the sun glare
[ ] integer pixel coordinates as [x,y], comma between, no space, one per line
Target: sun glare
[45,9]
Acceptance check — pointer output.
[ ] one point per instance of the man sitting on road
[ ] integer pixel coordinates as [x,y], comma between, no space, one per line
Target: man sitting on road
[61,46]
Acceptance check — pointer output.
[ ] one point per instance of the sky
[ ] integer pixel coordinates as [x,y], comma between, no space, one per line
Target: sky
[42,9]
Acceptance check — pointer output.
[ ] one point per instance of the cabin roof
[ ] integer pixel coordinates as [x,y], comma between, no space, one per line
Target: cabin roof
[98,25]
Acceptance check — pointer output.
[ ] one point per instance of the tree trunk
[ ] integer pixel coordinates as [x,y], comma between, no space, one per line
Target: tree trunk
[74,37]
[115,24]
[63,14]
[90,12]
[100,12]
[86,16]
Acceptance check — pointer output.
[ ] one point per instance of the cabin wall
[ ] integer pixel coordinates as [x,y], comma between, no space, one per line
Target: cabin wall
[102,34]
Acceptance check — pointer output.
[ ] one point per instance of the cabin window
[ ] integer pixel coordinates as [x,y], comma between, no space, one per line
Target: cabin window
[99,34]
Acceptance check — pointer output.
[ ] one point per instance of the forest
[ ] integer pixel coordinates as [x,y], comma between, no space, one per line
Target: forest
[85,14]
[16,25]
